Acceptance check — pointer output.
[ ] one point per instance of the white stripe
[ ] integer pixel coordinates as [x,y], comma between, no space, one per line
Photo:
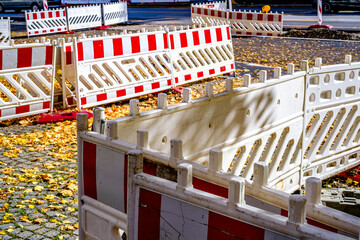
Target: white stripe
[9,59]
[88,50]
[275,236]
[144,43]
[262,205]
[224,33]
[147,87]
[177,42]
[91,99]
[213,35]
[111,95]
[36,107]
[108,48]
[38,56]
[110,177]
[190,39]
[180,217]
[159,41]
[163,84]
[130,91]
[8,112]
[126,45]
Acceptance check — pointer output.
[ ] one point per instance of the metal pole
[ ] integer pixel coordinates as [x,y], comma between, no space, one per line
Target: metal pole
[319,11]
[230,5]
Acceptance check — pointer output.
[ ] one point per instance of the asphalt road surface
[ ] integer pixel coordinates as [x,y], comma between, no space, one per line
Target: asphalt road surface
[299,17]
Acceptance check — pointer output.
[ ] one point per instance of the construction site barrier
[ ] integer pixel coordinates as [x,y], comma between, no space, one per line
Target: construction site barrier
[84,17]
[93,147]
[45,22]
[114,13]
[27,79]
[5,32]
[201,53]
[241,22]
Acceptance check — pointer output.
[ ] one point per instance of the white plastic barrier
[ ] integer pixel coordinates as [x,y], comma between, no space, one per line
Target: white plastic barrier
[158,1]
[46,22]
[201,53]
[114,13]
[26,86]
[160,208]
[332,114]
[84,17]
[5,32]
[118,67]
[241,22]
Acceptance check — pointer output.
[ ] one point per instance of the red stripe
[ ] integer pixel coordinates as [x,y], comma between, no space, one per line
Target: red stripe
[165,41]
[68,55]
[269,34]
[248,33]
[218,34]
[260,34]
[222,69]
[57,14]
[224,228]
[270,17]
[98,49]
[42,14]
[183,40]
[249,16]
[50,14]
[155,85]
[118,47]
[22,109]
[83,101]
[149,168]
[210,187]
[228,32]
[169,82]
[89,169]
[48,57]
[284,213]
[46,105]
[205,12]
[125,181]
[149,215]
[260,17]
[101,97]
[232,66]
[280,16]
[176,80]
[121,93]
[212,13]
[64,14]
[24,57]
[219,14]
[207,36]
[139,89]
[239,16]
[320,225]
[187,77]
[43,31]
[0,113]
[230,15]
[211,71]
[27,16]
[192,10]
[196,38]
[36,32]
[198,10]
[70,101]
[172,45]
[200,74]
[34,16]
[135,44]
[80,51]
[152,42]
[1,59]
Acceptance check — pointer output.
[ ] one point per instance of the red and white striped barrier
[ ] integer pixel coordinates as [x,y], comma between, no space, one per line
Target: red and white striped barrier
[45,22]
[120,67]
[241,22]
[201,53]
[5,32]
[114,13]
[24,89]
[84,17]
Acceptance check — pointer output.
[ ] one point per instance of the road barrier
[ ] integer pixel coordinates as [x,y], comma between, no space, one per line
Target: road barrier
[241,22]
[5,32]
[45,22]
[201,53]
[114,13]
[27,82]
[84,17]
[72,18]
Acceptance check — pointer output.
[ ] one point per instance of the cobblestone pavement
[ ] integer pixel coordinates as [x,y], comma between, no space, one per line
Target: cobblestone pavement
[38,174]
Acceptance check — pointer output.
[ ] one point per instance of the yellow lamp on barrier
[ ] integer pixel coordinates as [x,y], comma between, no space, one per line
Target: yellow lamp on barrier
[266,9]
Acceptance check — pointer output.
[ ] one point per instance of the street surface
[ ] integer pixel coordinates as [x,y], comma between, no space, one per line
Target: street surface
[299,17]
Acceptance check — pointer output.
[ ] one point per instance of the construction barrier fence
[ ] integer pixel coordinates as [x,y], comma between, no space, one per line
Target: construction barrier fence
[5,32]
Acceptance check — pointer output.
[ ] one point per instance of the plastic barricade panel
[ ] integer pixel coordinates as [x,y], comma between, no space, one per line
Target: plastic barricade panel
[5,32]
[84,17]
[46,22]
[26,86]
[114,13]
[201,53]
[119,67]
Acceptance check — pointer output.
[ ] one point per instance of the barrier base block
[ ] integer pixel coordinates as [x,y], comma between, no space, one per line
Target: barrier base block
[60,116]
[320,26]
[101,27]
[69,32]
[178,89]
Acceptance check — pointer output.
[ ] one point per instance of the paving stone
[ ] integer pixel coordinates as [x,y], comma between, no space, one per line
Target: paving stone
[52,233]
[6,226]
[32,227]
[42,230]
[25,234]
[35,237]
[51,225]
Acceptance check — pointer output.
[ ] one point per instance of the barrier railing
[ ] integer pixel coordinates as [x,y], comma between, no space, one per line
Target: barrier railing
[241,22]
[46,22]
[114,13]
[201,53]
[5,32]
[84,17]
[27,79]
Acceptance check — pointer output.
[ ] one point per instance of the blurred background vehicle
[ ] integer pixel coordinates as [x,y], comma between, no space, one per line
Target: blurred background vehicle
[19,5]
[338,5]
